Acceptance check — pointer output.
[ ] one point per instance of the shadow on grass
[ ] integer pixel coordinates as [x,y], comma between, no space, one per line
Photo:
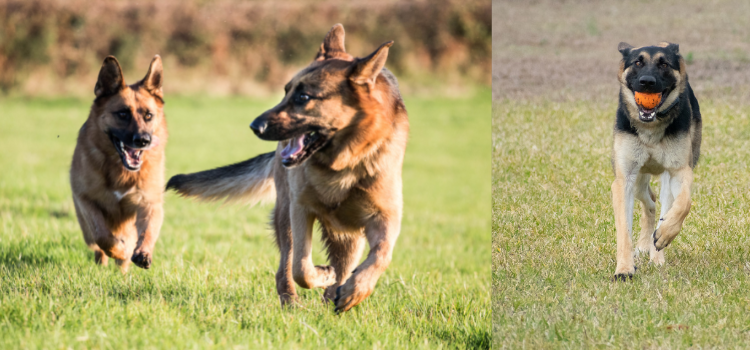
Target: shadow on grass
[26,253]
[473,338]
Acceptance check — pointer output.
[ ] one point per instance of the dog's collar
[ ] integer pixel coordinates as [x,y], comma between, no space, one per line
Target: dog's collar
[674,103]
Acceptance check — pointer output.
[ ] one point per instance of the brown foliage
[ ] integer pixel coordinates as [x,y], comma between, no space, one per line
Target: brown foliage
[235,42]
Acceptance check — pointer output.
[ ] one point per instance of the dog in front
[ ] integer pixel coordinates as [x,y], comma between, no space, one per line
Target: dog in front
[117,175]
[341,130]
[657,132]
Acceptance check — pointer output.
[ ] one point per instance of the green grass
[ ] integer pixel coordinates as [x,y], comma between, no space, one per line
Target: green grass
[212,283]
[553,250]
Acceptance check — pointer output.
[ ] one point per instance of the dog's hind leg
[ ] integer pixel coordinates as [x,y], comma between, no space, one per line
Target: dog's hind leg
[680,183]
[344,252]
[648,212]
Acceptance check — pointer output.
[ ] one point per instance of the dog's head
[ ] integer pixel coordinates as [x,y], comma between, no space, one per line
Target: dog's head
[653,73]
[322,99]
[129,115]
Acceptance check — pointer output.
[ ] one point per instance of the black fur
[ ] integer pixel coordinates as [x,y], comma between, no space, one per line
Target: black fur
[622,121]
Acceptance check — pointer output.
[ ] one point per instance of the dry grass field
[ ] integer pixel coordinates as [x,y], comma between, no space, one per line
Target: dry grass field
[553,254]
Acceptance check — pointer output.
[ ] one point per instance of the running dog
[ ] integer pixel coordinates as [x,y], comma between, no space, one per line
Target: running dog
[117,175]
[342,129]
[657,132]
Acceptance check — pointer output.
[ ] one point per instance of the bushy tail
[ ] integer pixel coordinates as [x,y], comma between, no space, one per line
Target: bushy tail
[250,181]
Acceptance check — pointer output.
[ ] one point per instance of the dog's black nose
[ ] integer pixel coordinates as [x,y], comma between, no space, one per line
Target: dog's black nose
[141,140]
[259,126]
[647,81]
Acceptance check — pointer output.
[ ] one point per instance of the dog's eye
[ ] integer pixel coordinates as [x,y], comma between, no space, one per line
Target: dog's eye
[148,116]
[123,115]
[664,65]
[638,63]
[302,99]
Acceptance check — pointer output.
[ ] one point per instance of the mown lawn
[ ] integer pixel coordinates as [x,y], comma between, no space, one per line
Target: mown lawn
[553,250]
[212,282]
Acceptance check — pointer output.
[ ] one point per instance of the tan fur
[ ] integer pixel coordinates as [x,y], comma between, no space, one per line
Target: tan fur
[352,185]
[353,188]
[120,211]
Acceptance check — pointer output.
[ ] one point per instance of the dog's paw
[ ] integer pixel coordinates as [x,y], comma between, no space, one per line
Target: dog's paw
[622,277]
[142,259]
[100,258]
[350,294]
[657,258]
[327,275]
[661,239]
[624,273]
[329,296]
[644,245]
[288,300]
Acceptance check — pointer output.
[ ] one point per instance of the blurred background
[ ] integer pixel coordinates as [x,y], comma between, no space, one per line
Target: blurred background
[567,50]
[229,47]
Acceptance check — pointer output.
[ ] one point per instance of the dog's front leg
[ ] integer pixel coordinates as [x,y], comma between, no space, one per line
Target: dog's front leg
[98,232]
[148,223]
[304,272]
[680,183]
[381,235]
[623,202]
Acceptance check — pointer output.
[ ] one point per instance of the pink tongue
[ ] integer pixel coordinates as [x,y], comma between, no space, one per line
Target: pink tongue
[132,153]
[294,147]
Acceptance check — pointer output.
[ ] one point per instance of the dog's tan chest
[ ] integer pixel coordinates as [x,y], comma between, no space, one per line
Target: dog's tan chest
[340,200]
[653,158]
[346,211]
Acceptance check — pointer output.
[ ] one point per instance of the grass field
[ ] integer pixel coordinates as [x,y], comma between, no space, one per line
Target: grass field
[554,237]
[212,282]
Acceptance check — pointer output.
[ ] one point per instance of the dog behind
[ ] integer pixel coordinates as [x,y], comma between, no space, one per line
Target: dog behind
[341,130]
[657,132]
[117,174]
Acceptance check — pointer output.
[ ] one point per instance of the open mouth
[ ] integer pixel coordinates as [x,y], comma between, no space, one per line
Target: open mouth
[301,147]
[131,157]
[646,114]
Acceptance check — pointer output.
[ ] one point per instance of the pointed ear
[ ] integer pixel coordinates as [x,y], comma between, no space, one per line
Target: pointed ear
[367,69]
[153,79]
[675,48]
[624,48]
[333,44]
[110,78]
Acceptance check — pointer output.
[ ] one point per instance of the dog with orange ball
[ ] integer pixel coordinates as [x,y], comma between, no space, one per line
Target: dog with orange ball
[657,133]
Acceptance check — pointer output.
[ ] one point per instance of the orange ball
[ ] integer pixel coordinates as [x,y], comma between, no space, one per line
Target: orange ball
[648,101]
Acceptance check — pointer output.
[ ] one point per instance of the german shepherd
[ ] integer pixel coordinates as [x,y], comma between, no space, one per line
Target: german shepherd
[342,129]
[117,173]
[660,139]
